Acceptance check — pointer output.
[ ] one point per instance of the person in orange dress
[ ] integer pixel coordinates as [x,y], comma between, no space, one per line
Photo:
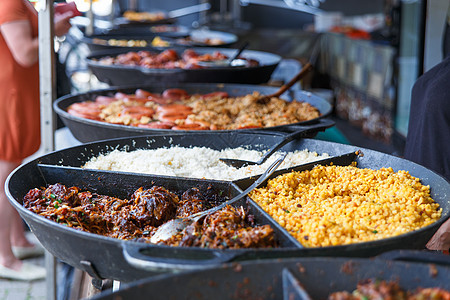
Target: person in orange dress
[19,121]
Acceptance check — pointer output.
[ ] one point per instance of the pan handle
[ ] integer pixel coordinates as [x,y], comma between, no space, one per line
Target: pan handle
[172,259]
[311,128]
[422,256]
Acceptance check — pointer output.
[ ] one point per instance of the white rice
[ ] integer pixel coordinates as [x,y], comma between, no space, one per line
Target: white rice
[196,162]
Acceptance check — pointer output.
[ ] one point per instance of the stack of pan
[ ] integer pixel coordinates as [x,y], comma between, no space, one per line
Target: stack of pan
[103,257]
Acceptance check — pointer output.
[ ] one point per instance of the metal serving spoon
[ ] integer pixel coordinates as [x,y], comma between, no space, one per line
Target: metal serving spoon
[230,62]
[321,126]
[172,227]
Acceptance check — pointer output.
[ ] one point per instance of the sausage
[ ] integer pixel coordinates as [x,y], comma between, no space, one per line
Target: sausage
[189,54]
[135,99]
[120,95]
[248,126]
[88,106]
[193,126]
[104,100]
[199,122]
[138,111]
[175,94]
[167,55]
[145,94]
[158,125]
[172,108]
[88,110]
[172,116]
[220,95]
[160,100]
[85,115]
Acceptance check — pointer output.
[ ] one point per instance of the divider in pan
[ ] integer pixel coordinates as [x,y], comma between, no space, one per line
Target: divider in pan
[148,256]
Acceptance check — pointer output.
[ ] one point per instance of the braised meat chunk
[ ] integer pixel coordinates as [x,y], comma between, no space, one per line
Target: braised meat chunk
[153,207]
[226,228]
[373,289]
[191,202]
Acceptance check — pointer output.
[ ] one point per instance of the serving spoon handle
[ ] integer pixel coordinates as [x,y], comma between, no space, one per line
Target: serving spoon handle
[305,70]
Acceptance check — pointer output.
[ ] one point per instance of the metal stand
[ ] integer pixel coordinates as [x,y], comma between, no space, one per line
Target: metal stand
[47,95]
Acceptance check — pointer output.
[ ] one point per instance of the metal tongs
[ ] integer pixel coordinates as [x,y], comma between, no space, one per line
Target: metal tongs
[307,129]
[230,62]
[172,227]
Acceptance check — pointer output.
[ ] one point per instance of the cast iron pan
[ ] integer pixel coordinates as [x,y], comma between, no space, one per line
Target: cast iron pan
[86,130]
[174,31]
[119,75]
[99,42]
[126,261]
[286,278]
[125,23]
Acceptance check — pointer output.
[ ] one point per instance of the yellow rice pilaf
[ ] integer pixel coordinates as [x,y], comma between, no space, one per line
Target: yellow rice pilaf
[334,205]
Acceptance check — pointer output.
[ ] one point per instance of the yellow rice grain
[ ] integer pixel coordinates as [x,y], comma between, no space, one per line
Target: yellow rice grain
[334,205]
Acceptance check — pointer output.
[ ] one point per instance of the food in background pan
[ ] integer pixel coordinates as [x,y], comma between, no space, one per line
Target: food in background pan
[381,289]
[176,109]
[138,218]
[161,42]
[144,16]
[121,42]
[165,28]
[184,162]
[169,59]
[336,205]
[157,42]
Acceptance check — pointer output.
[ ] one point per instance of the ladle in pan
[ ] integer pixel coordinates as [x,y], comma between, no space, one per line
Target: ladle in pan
[230,62]
[321,126]
[170,228]
[305,70]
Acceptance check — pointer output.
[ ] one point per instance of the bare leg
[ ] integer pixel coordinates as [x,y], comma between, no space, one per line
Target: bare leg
[17,236]
[7,258]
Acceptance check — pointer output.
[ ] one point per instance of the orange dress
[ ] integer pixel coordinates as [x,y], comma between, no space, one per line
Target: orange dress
[19,91]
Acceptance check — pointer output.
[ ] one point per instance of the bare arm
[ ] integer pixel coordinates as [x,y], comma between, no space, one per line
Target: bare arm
[441,239]
[23,46]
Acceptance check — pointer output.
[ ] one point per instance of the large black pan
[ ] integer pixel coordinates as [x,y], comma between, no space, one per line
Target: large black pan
[86,130]
[169,17]
[279,279]
[123,22]
[119,75]
[99,42]
[105,257]
[174,31]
